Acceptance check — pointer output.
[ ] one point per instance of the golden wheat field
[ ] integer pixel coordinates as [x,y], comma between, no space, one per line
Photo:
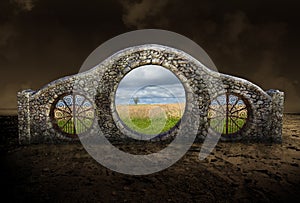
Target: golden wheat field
[143,110]
[151,118]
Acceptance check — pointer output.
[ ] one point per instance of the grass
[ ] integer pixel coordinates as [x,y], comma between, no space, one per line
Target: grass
[136,117]
[80,126]
[236,119]
[233,126]
[143,125]
[164,117]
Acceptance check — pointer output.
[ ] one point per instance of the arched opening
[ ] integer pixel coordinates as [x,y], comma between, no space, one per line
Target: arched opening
[150,100]
[228,114]
[72,114]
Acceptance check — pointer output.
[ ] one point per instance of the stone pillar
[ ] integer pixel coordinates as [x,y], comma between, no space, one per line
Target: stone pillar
[24,116]
[276,114]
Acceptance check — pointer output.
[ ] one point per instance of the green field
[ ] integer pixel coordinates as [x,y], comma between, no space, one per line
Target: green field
[136,117]
[143,125]
[234,125]
[80,125]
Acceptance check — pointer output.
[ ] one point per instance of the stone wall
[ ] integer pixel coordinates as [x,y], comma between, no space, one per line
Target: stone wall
[99,84]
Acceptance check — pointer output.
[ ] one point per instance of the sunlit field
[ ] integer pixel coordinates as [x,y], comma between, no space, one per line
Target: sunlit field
[138,117]
[78,123]
[80,126]
[232,123]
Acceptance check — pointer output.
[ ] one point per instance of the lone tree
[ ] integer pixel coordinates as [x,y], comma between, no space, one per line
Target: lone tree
[136,100]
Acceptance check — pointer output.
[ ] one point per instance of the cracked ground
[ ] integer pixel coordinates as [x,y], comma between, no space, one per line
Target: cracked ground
[233,172]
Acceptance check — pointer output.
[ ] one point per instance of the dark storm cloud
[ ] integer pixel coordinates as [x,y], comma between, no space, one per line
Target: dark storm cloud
[137,13]
[44,40]
[41,40]
[26,5]
[250,39]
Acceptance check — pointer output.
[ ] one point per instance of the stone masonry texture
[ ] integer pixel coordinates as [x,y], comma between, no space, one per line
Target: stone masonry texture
[99,85]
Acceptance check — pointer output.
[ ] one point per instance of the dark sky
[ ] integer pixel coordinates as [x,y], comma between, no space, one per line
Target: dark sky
[42,40]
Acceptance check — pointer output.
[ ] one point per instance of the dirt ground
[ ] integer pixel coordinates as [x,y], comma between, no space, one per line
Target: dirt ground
[234,172]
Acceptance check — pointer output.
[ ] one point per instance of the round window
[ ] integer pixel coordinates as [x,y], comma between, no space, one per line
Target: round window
[150,100]
[72,114]
[227,114]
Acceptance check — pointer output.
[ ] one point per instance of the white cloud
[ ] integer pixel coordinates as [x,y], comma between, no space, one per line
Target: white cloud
[152,84]
[148,75]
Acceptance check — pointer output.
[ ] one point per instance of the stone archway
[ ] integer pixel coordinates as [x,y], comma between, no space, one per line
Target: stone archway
[181,64]
[201,84]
